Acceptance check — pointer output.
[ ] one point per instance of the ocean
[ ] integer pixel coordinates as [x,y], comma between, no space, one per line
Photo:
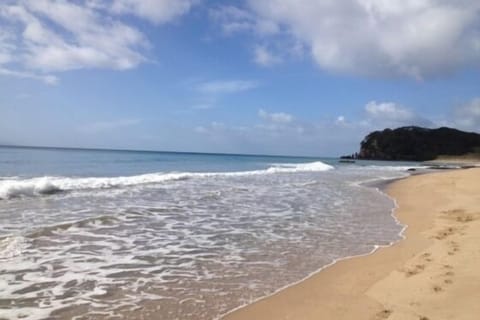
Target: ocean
[96,234]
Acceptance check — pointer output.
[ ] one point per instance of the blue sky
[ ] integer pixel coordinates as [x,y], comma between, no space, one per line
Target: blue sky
[291,77]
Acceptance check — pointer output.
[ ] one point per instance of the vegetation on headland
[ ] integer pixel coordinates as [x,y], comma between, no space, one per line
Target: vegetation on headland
[417,144]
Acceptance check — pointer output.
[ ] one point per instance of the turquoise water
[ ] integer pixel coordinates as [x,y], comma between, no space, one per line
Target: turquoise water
[103,234]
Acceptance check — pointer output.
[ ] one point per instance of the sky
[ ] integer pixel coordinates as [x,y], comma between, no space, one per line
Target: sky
[289,77]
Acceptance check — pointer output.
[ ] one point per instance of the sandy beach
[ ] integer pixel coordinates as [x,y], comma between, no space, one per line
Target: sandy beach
[433,274]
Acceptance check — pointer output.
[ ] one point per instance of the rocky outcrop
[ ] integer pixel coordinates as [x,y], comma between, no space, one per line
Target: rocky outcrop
[417,144]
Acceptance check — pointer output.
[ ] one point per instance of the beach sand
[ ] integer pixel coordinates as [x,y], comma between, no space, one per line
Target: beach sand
[433,274]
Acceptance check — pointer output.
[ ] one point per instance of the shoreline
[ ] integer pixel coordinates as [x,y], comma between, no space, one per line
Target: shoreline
[354,287]
[379,185]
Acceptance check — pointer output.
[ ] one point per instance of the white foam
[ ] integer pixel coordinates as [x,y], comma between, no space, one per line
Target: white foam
[401,236]
[299,167]
[396,168]
[13,187]
[180,246]
[12,246]
[10,188]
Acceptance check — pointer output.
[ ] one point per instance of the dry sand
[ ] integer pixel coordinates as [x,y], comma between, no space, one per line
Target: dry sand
[433,274]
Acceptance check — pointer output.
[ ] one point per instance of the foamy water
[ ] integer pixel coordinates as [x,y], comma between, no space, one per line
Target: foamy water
[11,188]
[180,245]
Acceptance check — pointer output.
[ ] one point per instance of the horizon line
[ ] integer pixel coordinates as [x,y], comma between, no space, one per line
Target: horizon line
[158,151]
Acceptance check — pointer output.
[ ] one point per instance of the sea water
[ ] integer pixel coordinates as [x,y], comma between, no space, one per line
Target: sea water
[95,234]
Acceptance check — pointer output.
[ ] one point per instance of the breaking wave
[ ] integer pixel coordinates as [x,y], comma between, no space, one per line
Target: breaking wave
[15,187]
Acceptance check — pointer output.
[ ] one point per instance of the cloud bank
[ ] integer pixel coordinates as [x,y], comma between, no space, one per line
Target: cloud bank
[41,37]
[413,38]
[390,114]
[380,38]
[278,132]
[275,117]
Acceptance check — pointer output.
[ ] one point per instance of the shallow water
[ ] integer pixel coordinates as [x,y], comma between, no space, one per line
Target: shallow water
[180,244]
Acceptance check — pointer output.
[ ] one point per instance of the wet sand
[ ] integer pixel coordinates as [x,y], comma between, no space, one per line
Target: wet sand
[433,274]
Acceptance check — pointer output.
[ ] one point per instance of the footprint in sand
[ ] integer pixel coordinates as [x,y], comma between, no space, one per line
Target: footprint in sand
[445,233]
[454,247]
[414,270]
[415,304]
[427,256]
[465,219]
[384,314]
[459,215]
[437,288]
[448,275]
[454,212]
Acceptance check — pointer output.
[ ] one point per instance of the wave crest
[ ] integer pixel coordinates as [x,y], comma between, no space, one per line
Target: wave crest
[14,187]
[299,167]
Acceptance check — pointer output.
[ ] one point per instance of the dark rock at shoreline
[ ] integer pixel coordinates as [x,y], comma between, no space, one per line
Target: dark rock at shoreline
[417,144]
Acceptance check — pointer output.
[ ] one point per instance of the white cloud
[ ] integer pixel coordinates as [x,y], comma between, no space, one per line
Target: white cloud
[105,126]
[7,46]
[48,79]
[281,133]
[388,111]
[200,129]
[156,11]
[341,121]
[264,57]
[226,86]
[276,117]
[389,114]
[234,19]
[40,37]
[468,116]
[413,38]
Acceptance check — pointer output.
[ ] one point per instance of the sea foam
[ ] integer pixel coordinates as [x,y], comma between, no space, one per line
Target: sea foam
[14,187]
[11,246]
[195,245]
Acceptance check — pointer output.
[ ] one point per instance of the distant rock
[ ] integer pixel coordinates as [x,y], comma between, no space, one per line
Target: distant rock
[417,144]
